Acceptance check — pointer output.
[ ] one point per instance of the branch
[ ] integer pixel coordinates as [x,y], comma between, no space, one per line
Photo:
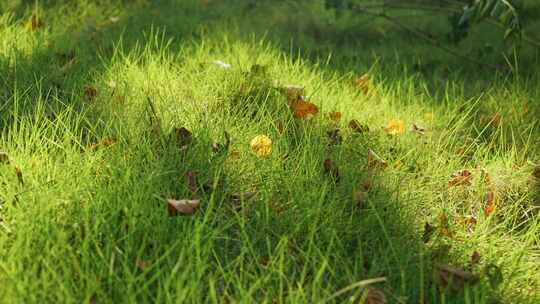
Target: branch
[423,36]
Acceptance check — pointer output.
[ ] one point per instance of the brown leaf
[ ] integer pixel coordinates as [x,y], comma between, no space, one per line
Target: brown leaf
[367,184]
[293,92]
[34,23]
[375,161]
[183,137]
[19,174]
[444,226]
[469,222]
[536,172]
[375,296]
[491,204]
[428,232]
[331,169]
[4,158]
[356,126]
[90,92]
[335,137]
[303,109]
[364,83]
[474,258]
[191,181]
[279,126]
[360,199]
[454,277]
[335,116]
[142,264]
[460,178]
[183,207]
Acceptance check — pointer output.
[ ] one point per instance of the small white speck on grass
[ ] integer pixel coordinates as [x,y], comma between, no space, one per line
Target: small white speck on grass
[222,64]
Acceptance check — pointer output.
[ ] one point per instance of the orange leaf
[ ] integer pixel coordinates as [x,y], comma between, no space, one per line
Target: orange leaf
[183,207]
[491,204]
[302,108]
[459,178]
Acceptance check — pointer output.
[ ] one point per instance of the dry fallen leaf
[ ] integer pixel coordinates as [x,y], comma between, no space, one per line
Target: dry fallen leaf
[280,127]
[293,92]
[460,178]
[491,203]
[183,137]
[356,126]
[454,277]
[90,92]
[360,199]
[104,143]
[335,137]
[4,157]
[418,129]
[444,226]
[375,160]
[142,264]
[302,108]
[335,116]
[19,174]
[474,258]
[395,127]
[375,296]
[469,222]
[331,169]
[428,232]
[183,207]
[364,83]
[191,181]
[261,145]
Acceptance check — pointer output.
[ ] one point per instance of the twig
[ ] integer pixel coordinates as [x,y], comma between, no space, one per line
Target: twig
[423,36]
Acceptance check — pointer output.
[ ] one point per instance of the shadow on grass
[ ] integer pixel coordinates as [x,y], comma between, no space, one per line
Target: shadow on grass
[283,238]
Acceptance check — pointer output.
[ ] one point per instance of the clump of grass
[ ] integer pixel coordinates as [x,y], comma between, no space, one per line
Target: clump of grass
[82,210]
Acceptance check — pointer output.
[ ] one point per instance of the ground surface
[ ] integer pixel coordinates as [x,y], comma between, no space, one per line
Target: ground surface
[94,96]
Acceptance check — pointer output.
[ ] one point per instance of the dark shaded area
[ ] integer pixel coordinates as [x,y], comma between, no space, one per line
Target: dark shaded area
[316,39]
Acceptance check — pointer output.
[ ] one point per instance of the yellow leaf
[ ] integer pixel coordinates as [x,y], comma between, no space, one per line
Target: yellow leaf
[261,145]
[395,127]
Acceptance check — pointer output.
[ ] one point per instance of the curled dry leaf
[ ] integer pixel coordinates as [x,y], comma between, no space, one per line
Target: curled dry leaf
[191,181]
[364,83]
[183,207]
[491,203]
[261,145]
[142,264]
[395,127]
[183,137]
[356,126]
[454,277]
[19,174]
[360,199]
[460,178]
[469,222]
[293,92]
[418,129]
[331,169]
[4,158]
[90,92]
[428,232]
[375,161]
[536,172]
[303,109]
[375,296]
[474,258]
[335,137]
[335,116]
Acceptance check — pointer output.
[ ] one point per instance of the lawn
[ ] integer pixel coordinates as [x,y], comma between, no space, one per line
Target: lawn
[325,159]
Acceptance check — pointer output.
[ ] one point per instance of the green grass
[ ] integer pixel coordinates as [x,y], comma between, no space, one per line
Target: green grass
[88,213]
